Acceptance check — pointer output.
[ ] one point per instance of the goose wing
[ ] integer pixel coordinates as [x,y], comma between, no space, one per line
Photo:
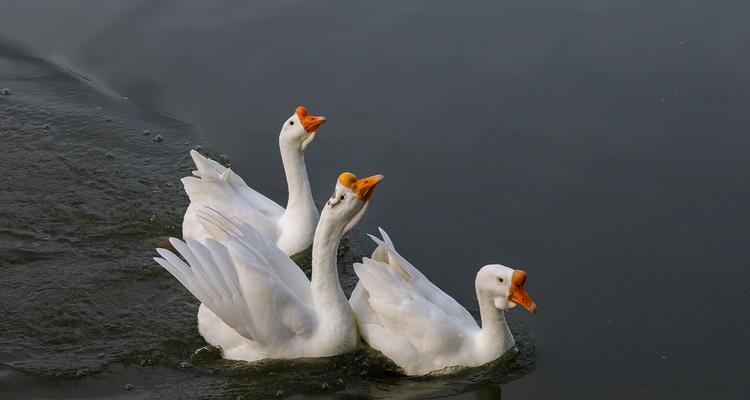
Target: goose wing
[403,314]
[220,188]
[283,266]
[241,285]
[386,253]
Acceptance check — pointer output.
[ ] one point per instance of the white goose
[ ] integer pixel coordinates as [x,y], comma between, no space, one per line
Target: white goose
[219,188]
[423,330]
[256,302]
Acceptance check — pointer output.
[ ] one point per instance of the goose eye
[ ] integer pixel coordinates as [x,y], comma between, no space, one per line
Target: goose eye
[342,197]
[501,280]
[291,122]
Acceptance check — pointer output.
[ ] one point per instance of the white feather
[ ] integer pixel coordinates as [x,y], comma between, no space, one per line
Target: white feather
[216,187]
[238,285]
[410,320]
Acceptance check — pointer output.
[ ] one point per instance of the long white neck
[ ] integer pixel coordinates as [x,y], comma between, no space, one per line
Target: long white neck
[495,338]
[300,204]
[330,302]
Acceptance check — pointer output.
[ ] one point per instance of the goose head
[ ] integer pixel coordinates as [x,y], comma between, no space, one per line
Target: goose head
[505,286]
[350,199]
[299,129]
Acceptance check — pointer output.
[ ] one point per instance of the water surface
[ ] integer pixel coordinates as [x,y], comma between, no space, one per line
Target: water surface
[600,145]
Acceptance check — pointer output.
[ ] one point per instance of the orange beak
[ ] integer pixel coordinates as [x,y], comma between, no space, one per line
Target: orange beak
[363,187]
[518,294]
[309,122]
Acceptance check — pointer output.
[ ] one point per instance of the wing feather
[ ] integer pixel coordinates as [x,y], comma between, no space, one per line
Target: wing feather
[211,173]
[263,249]
[402,313]
[400,320]
[420,283]
[237,283]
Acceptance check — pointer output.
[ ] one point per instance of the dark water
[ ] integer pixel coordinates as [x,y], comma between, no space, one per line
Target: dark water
[88,192]
[600,145]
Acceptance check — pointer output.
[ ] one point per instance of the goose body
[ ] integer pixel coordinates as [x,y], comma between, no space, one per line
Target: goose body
[219,188]
[256,302]
[421,328]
